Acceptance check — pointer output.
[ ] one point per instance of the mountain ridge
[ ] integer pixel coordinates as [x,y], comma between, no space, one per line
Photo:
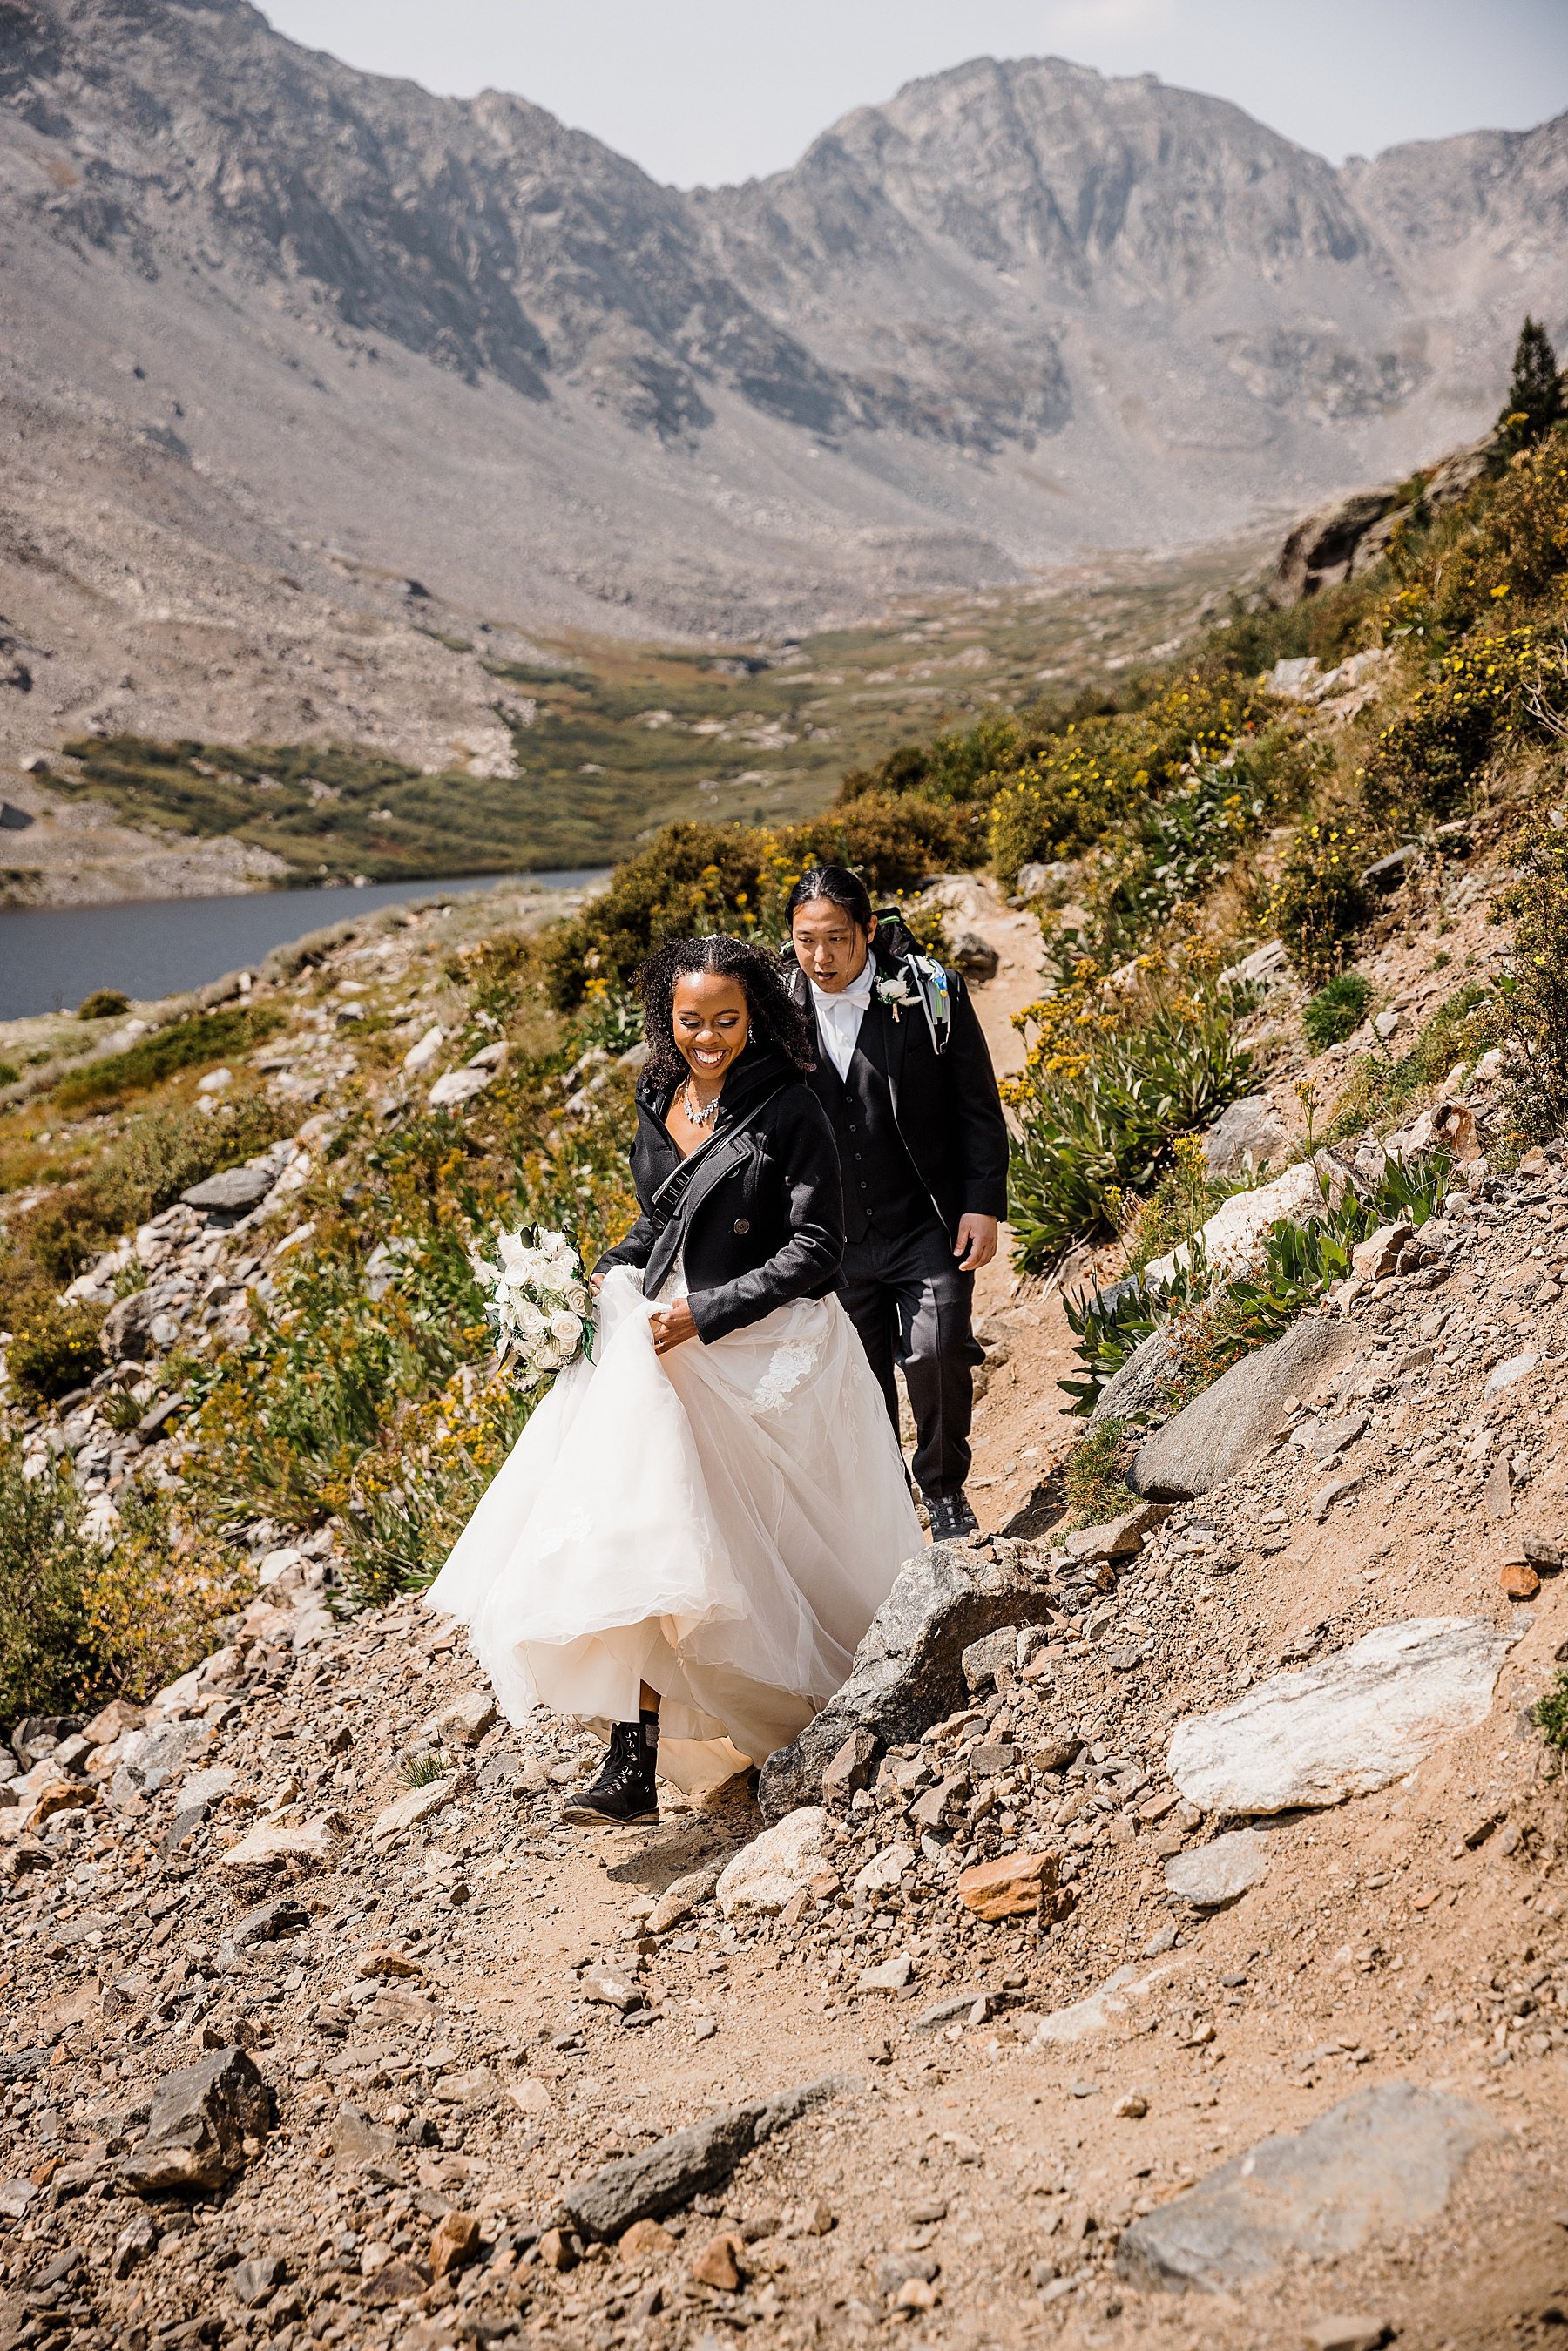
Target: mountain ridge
[1016,314]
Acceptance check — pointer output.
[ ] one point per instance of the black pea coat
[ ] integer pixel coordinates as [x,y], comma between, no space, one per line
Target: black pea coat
[945,1106]
[757,1212]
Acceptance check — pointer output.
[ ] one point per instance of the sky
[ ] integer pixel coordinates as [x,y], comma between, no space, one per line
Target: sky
[701,91]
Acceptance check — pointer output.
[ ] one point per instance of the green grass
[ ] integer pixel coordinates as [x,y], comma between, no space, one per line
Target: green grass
[777,733]
[1336,1010]
[1383,1086]
[205,1039]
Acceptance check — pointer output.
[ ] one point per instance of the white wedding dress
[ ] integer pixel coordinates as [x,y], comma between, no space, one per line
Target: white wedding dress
[721,1523]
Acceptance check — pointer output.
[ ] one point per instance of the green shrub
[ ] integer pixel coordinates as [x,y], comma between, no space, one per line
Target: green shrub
[1337,1009]
[55,1350]
[1383,1087]
[1550,1713]
[1319,903]
[103,1004]
[1096,1490]
[47,1662]
[9,1073]
[1110,1083]
[1535,400]
[1432,756]
[702,877]
[209,1037]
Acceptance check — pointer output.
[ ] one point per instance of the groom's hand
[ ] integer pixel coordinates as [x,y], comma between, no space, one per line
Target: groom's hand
[977,1243]
[670,1325]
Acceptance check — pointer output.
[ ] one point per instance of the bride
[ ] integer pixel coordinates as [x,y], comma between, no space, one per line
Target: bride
[696,1527]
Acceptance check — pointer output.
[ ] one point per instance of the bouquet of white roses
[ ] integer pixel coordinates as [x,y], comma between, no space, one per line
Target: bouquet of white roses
[539,1304]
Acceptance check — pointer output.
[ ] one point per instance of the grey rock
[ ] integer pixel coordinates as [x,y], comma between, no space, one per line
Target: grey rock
[688,2162]
[37,1735]
[908,1670]
[233,1192]
[1212,1876]
[267,1922]
[1379,2162]
[976,957]
[19,2064]
[126,1332]
[1387,873]
[1138,1387]
[982,1660]
[896,2269]
[1332,1437]
[200,2119]
[682,1896]
[150,1758]
[1219,1431]
[1319,551]
[1246,1133]
[257,2279]
[1353,1723]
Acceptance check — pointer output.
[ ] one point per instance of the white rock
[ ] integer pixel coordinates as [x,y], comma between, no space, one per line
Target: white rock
[885,1869]
[458,1086]
[216,1082]
[287,1568]
[489,1057]
[467,1718]
[1293,680]
[1517,1367]
[272,1843]
[769,1872]
[1105,2007]
[891,1975]
[1233,1236]
[406,1812]
[1343,1728]
[1213,1876]
[420,1057]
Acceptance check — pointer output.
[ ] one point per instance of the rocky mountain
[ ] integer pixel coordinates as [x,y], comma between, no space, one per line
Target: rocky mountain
[290,329]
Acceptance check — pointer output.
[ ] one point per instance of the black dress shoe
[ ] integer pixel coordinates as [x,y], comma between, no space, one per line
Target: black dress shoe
[625,1794]
[951,1517]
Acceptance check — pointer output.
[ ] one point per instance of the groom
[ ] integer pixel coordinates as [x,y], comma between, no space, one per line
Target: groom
[904,1076]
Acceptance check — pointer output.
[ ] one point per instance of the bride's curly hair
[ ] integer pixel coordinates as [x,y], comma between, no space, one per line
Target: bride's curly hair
[776,1019]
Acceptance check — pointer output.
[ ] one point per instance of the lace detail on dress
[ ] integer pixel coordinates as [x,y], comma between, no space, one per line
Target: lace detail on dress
[787,1367]
[547,1540]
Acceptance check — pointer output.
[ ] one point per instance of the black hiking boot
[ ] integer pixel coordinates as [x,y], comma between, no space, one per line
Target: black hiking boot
[624,1795]
[951,1517]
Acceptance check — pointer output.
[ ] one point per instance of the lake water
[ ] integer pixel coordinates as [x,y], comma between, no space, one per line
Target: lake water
[53,956]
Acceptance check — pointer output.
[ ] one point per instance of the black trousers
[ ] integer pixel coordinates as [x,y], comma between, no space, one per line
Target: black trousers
[911,1305]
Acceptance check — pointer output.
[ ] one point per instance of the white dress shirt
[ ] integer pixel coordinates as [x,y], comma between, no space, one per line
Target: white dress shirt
[838,1017]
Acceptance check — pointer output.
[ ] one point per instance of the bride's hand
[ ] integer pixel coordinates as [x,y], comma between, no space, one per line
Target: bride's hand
[670,1325]
[596,1282]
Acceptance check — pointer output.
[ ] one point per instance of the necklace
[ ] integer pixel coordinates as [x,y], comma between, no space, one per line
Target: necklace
[695,1117]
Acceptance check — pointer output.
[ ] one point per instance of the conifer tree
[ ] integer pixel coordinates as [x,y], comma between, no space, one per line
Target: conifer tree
[1535,402]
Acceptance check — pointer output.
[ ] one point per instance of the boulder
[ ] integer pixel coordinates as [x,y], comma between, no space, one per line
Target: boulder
[908,1671]
[773,1868]
[1247,1134]
[666,2175]
[1219,1431]
[1382,2161]
[201,2119]
[1353,1723]
[233,1193]
[1212,1876]
[1139,1386]
[1234,1235]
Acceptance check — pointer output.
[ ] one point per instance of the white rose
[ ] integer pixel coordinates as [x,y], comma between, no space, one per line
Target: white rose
[546,1360]
[552,1244]
[576,1297]
[566,1329]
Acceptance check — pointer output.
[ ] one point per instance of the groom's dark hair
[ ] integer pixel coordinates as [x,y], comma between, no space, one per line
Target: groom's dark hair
[776,1019]
[839,886]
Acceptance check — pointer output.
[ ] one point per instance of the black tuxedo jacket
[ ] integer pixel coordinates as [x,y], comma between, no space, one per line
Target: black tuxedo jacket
[945,1106]
[758,1210]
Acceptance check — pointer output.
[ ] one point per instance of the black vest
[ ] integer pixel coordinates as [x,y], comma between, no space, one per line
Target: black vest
[882,1193]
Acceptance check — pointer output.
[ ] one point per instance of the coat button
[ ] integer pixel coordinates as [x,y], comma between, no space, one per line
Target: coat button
[743,1223]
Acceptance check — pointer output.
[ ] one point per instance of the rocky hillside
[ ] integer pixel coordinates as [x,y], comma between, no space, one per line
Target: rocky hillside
[285,312]
[1159,1932]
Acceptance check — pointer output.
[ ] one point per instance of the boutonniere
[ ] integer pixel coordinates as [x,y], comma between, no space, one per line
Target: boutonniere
[895,991]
